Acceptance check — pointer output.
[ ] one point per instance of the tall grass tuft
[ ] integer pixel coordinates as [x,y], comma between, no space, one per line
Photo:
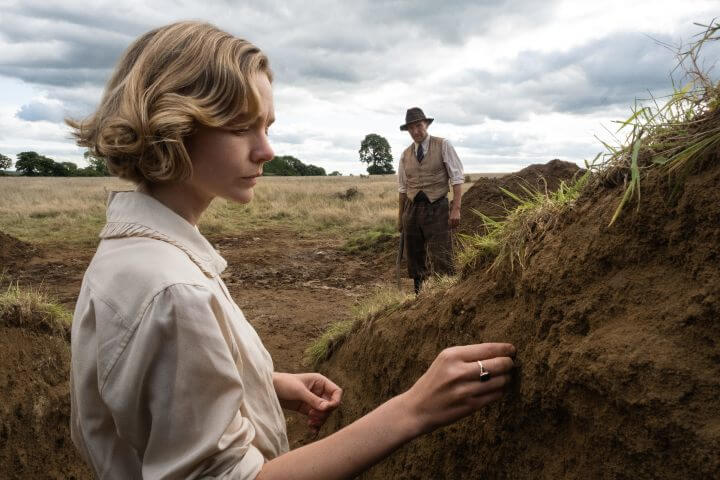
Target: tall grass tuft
[438,284]
[32,309]
[504,246]
[382,302]
[677,135]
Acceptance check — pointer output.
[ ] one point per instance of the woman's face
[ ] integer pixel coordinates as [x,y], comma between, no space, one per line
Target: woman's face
[226,164]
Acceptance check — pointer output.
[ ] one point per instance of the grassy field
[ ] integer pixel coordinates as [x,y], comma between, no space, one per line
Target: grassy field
[72,210]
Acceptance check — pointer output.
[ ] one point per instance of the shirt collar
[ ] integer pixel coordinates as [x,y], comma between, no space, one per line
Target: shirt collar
[425,144]
[135,214]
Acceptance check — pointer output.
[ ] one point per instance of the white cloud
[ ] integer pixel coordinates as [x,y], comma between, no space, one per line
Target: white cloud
[510,82]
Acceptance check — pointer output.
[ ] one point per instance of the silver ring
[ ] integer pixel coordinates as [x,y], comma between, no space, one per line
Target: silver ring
[484,374]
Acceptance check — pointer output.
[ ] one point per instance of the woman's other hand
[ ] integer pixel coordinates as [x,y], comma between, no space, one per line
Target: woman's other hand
[311,394]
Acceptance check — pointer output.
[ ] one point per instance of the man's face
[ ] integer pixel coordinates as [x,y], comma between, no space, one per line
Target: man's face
[418,130]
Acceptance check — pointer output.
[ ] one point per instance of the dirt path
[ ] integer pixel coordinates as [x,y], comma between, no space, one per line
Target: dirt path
[290,286]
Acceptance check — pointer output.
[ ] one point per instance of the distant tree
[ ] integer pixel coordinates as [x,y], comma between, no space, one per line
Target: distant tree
[5,162]
[375,151]
[313,171]
[69,169]
[288,165]
[334,173]
[33,164]
[97,164]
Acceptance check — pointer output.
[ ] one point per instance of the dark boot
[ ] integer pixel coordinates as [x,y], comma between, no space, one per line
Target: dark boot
[418,282]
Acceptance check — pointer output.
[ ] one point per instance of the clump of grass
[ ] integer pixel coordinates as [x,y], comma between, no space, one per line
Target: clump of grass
[677,135]
[506,242]
[373,240]
[351,193]
[438,284]
[381,303]
[477,248]
[32,309]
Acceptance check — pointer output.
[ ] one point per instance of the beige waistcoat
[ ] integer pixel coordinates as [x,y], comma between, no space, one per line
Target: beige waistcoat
[430,175]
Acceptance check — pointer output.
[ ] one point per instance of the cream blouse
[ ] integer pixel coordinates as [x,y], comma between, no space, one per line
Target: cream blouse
[168,378]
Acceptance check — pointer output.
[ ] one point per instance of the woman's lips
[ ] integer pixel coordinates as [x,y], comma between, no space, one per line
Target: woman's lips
[252,179]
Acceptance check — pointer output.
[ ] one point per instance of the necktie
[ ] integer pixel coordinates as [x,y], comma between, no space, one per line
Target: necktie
[420,154]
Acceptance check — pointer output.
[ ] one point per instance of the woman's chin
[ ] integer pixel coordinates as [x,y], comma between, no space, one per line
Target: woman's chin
[243,196]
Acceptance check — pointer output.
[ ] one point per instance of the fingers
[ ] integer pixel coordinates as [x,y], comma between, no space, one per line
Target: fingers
[477,388]
[312,400]
[330,393]
[480,401]
[480,351]
[495,366]
[468,384]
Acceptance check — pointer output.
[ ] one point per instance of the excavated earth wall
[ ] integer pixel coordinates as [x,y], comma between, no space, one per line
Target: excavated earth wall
[617,330]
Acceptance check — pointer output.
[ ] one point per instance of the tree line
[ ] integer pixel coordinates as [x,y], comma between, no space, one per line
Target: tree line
[374,151]
[33,164]
[289,166]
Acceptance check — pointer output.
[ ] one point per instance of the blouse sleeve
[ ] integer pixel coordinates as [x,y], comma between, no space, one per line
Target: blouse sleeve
[176,391]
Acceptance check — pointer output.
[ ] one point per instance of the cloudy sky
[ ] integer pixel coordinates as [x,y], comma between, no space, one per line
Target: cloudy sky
[509,82]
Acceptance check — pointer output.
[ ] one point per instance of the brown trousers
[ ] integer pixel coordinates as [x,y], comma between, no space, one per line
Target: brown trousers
[427,238]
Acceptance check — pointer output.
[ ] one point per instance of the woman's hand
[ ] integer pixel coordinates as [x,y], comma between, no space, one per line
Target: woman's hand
[451,388]
[308,393]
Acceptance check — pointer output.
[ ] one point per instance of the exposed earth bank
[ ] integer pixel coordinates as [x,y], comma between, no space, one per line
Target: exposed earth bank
[617,331]
[486,194]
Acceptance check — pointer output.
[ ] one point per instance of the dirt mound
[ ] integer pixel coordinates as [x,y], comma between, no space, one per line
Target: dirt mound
[485,195]
[35,403]
[13,251]
[618,360]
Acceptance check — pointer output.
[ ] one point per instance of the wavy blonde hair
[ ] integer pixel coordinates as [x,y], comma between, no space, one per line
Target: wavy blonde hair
[169,81]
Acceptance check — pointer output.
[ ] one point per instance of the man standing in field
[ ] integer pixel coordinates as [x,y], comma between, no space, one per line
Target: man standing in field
[426,168]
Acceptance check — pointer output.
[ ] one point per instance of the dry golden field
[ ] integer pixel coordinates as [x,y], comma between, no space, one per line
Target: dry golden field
[72,210]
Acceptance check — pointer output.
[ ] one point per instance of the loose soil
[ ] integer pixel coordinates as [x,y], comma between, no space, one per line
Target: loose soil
[617,331]
[35,407]
[486,196]
[14,251]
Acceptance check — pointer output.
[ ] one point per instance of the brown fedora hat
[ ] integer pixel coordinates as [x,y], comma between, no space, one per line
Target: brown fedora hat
[413,115]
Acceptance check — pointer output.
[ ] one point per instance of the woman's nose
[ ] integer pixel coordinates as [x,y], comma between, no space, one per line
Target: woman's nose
[264,151]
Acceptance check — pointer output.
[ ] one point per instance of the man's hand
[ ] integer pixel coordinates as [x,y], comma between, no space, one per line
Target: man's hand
[454,219]
[308,393]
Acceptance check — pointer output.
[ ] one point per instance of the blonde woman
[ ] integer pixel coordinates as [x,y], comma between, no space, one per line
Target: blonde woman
[169,380]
